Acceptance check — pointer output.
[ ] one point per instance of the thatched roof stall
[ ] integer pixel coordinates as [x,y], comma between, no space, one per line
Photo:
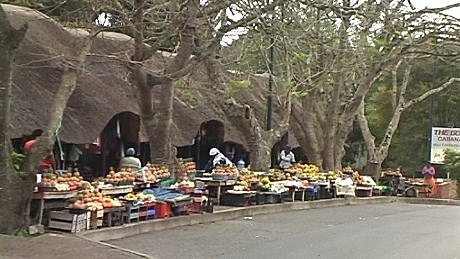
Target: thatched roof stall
[102,89]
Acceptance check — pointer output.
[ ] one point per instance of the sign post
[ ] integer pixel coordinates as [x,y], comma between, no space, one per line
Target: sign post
[442,139]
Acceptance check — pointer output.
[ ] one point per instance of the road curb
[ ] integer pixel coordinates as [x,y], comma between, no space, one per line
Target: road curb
[132,229]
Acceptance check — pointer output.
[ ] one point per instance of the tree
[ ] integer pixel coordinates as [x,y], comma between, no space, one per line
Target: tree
[16,188]
[12,184]
[194,25]
[342,54]
[377,154]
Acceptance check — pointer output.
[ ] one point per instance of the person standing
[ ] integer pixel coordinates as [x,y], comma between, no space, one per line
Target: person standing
[130,160]
[47,163]
[286,157]
[428,172]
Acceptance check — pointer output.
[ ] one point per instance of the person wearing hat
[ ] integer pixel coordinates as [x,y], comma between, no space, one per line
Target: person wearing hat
[216,157]
[130,161]
[286,157]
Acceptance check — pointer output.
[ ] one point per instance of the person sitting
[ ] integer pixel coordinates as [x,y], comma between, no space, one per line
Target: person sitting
[286,157]
[216,157]
[130,161]
[47,163]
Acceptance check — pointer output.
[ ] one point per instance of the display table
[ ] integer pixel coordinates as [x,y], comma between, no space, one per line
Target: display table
[218,184]
[116,190]
[55,200]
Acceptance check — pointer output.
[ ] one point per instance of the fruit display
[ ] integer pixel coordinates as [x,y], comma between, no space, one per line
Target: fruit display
[225,172]
[190,166]
[303,168]
[365,180]
[277,175]
[61,182]
[93,200]
[158,171]
[139,197]
[181,171]
[265,184]
[392,173]
[145,175]
[124,177]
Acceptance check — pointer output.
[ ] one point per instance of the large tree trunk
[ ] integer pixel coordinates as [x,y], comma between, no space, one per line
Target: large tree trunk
[306,131]
[162,152]
[14,189]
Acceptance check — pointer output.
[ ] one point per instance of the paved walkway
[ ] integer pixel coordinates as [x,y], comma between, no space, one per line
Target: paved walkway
[86,245]
[65,246]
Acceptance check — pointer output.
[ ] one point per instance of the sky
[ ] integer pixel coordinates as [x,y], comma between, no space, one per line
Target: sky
[438,3]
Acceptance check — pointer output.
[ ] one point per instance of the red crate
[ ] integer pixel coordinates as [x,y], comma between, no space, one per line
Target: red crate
[162,210]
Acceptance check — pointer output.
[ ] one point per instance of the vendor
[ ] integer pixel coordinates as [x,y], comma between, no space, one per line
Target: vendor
[47,163]
[286,157]
[428,172]
[130,161]
[216,158]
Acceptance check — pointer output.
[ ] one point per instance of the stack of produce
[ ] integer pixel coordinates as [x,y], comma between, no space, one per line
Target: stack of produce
[190,166]
[63,182]
[158,171]
[392,173]
[305,171]
[124,177]
[145,175]
[265,184]
[365,181]
[225,172]
[145,198]
[181,171]
[247,176]
[277,175]
[93,200]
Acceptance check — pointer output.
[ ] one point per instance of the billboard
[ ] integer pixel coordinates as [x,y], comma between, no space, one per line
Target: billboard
[441,139]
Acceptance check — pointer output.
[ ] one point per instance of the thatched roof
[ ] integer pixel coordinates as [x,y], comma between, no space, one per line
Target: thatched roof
[102,90]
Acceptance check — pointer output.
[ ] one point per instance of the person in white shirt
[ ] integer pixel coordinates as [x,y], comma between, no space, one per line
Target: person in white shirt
[219,158]
[287,158]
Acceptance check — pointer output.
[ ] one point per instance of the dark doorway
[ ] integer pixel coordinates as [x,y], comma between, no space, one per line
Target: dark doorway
[120,133]
[235,151]
[211,134]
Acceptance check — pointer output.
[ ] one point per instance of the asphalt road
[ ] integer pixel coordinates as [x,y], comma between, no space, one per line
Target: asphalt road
[386,231]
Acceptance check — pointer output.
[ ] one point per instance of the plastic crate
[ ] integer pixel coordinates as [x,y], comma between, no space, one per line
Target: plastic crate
[271,198]
[239,200]
[162,210]
[132,213]
[147,211]
[363,191]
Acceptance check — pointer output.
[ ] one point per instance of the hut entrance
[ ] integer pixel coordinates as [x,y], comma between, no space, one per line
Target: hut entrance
[120,133]
[235,151]
[211,134]
[286,139]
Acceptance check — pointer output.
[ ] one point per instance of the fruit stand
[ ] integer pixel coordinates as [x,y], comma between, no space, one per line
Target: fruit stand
[72,204]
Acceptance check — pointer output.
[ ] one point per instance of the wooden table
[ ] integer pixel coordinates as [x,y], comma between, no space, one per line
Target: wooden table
[42,196]
[115,190]
[219,184]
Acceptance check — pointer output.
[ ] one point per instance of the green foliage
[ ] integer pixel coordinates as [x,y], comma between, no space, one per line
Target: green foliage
[191,96]
[232,86]
[18,160]
[452,163]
